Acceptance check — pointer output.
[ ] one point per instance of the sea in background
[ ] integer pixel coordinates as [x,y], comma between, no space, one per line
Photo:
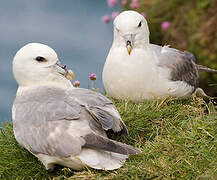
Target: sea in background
[72,28]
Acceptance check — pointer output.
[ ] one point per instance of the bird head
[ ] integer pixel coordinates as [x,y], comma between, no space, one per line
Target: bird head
[130,30]
[38,64]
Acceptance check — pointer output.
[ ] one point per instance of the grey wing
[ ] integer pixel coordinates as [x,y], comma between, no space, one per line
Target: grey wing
[190,56]
[46,104]
[51,121]
[41,119]
[101,109]
[181,64]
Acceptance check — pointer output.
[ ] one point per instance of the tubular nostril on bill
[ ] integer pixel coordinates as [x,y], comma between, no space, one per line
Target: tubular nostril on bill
[62,66]
[128,43]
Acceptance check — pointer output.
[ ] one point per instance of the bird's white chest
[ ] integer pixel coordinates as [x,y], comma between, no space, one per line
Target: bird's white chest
[135,77]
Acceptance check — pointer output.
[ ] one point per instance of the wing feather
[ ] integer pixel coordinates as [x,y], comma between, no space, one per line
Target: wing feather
[54,121]
[95,141]
[101,108]
[181,64]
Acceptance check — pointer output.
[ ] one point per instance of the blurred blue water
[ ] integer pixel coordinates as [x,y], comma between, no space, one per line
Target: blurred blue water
[73,28]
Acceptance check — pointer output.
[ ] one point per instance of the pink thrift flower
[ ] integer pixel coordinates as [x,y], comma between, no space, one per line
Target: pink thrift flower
[92,76]
[124,2]
[115,14]
[143,14]
[165,25]
[112,3]
[76,83]
[134,4]
[106,18]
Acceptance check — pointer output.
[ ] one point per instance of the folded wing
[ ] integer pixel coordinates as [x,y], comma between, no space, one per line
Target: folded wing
[181,64]
[61,122]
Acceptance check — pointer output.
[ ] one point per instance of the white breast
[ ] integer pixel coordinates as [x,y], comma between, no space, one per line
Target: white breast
[138,76]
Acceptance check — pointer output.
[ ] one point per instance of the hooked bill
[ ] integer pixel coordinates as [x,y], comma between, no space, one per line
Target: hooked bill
[70,75]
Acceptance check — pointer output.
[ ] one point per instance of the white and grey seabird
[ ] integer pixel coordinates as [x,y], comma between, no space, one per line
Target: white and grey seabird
[135,69]
[60,124]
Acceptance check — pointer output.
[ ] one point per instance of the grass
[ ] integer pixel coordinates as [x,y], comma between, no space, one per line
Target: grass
[178,139]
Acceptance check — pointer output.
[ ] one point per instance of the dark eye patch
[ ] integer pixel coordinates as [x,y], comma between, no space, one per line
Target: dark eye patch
[140,24]
[40,59]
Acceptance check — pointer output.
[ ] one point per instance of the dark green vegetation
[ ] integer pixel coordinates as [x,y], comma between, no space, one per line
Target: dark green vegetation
[193,28]
[178,139]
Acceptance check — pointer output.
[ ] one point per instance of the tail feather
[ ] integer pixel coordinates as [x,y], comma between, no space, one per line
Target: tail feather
[206,69]
[99,159]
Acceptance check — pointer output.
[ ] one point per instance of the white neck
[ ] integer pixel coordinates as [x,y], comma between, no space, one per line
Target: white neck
[64,85]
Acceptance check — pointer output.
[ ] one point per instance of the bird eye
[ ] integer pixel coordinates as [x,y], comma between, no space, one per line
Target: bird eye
[40,59]
[140,24]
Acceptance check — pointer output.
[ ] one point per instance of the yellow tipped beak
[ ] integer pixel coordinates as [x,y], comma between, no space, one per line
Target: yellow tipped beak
[64,71]
[129,49]
[70,75]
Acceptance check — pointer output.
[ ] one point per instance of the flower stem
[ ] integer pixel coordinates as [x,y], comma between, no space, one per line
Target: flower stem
[92,84]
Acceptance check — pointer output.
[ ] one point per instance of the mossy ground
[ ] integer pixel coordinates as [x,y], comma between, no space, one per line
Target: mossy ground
[178,139]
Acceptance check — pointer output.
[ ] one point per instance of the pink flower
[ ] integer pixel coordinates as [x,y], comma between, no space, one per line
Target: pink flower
[76,83]
[165,25]
[115,14]
[106,18]
[143,14]
[112,3]
[124,2]
[92,76]
[134,4]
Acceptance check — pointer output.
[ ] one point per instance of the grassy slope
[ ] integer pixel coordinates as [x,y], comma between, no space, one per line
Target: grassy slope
[177,138]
